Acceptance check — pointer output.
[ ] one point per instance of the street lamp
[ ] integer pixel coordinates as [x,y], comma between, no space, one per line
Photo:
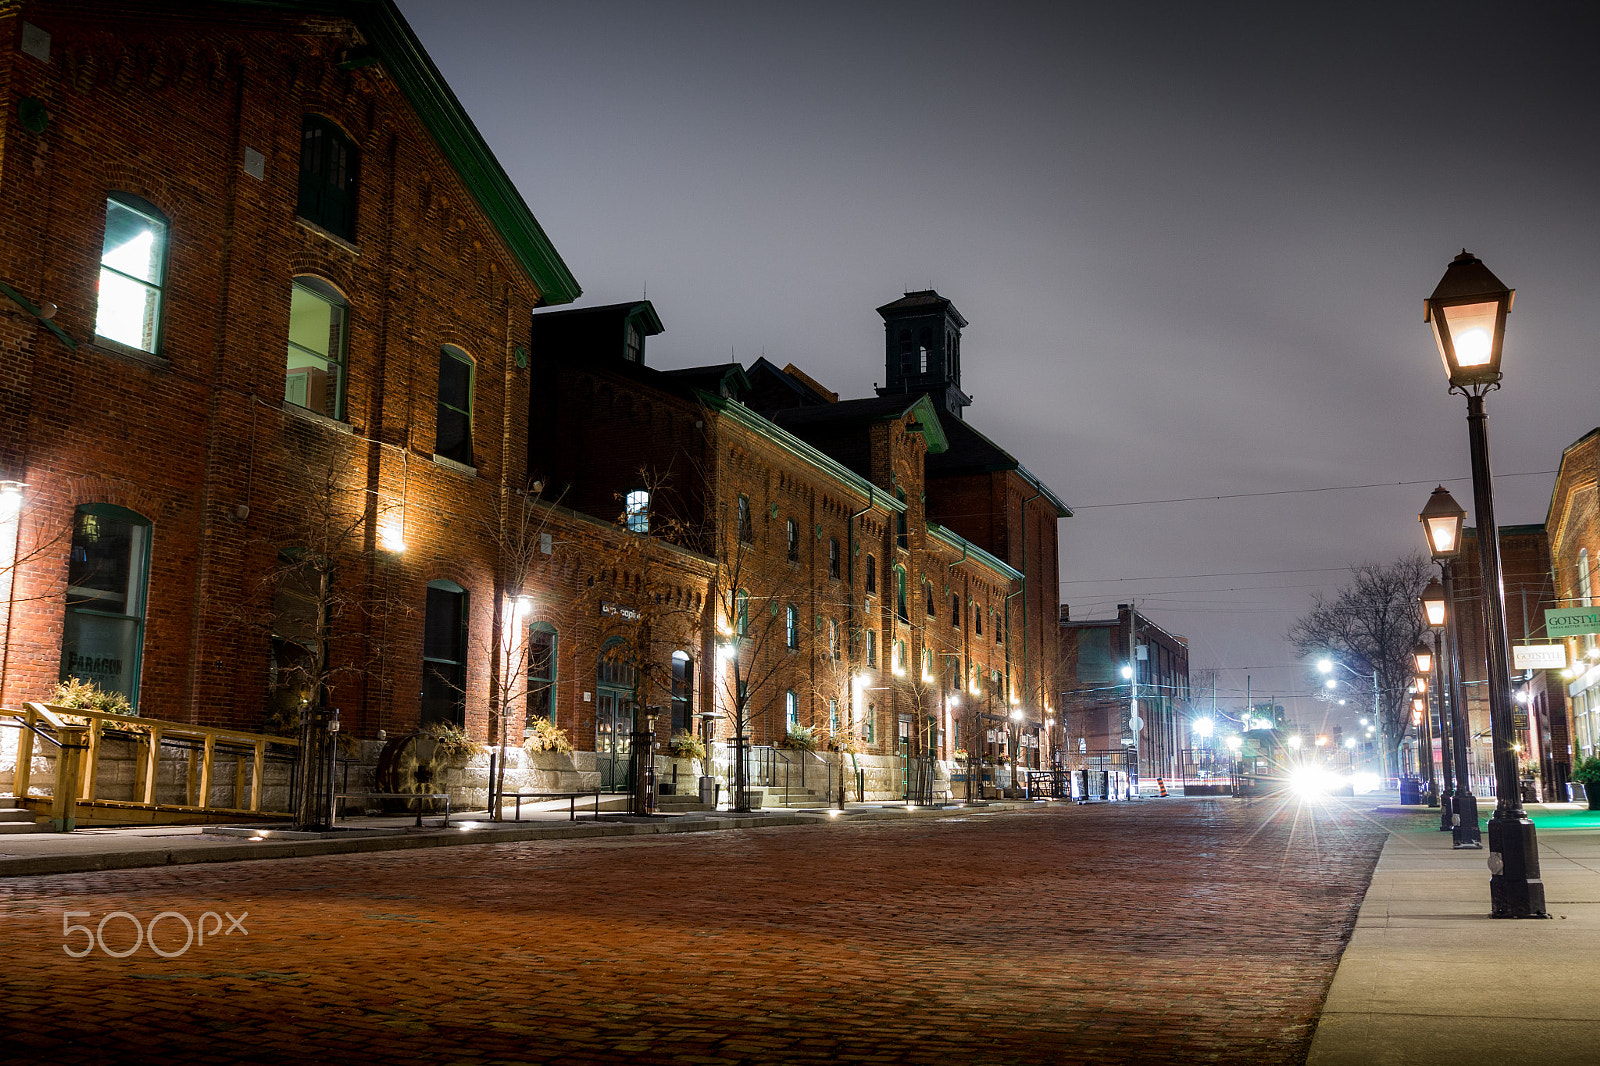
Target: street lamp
[1441,522]
[1422,655]
[1468,313]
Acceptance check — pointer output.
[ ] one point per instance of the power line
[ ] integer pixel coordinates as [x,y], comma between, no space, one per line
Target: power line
[1185,577]
[1292,492]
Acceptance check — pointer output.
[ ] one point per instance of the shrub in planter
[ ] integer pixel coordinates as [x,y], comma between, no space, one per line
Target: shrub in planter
[87,696]
[1587,773]
[452,743]
[801,739]
[541,734]
[685,745]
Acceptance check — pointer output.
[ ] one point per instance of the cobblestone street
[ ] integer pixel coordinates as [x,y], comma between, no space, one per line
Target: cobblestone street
[1163,931]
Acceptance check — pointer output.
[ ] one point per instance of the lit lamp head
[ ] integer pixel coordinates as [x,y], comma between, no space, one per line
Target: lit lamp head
[1441,520]
[1416,711]
[1432,600]
[1423,655]
[1468,314]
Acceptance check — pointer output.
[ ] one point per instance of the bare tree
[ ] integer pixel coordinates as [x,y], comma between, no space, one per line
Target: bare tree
[1371,626]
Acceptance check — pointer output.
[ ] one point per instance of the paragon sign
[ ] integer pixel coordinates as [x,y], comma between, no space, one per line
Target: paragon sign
[1571,621]
[1539,656]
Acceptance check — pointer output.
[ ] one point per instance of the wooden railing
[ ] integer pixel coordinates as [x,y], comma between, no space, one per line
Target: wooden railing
[203,744]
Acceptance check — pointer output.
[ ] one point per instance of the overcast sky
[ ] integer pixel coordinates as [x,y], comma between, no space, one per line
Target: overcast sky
[1192,242]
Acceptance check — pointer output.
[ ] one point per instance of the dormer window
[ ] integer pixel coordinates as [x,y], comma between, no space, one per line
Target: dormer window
[633,346]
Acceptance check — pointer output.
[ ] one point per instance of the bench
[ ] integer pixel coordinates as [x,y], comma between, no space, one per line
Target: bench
[398,796]
[571,797]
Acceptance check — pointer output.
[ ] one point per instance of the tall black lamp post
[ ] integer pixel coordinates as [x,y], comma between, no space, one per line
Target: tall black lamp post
[1422,657]
[1439,607]
[1468,313]
[1432,601]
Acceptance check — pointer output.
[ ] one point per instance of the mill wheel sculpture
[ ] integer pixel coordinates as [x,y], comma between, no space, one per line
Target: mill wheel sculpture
[410,763]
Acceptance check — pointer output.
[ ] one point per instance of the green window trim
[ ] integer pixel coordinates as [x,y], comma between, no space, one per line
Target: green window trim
[457,386]
[108,582]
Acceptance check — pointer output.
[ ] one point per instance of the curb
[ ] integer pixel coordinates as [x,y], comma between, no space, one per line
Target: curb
[245,852]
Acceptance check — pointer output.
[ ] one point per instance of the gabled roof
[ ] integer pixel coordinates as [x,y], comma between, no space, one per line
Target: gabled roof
[404,58]
[723,379]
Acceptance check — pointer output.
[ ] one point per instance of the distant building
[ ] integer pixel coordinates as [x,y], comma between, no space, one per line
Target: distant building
[1101,701]
[1573,523]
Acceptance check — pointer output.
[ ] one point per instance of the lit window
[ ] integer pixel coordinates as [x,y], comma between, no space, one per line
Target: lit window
[833,716]
[791,709]
[741,612]
[791,626]
[682,692]
[106,579]
[636,505]
[328,166]
[315,373]
[541,671]
[453,433]
[900,594]
[872,647]
[133,260]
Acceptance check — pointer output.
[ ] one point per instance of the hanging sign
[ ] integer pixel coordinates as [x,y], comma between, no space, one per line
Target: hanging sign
[1539,656]
[1571,621]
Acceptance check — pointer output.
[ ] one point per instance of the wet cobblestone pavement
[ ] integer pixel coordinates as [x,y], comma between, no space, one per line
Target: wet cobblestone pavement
[1154,932]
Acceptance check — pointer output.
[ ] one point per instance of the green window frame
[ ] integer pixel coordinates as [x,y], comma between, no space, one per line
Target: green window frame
[444,655]
[330,165]
[453,426]
[791,711]
[791,627]
[314,376]
[133,273]
[544,642]
[108,577]
[900,594]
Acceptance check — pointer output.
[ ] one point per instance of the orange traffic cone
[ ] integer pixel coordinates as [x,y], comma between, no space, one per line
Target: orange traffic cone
[1162,785]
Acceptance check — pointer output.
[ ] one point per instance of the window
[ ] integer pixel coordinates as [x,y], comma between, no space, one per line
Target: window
[998,627]
[900,594]
[633,344]
[977,622]
[453,431]
[328,165]
[833,639]
[872,723]
[298,612]
[444,655]
[872,575]
[833,716]
[741,613]
[792,532]
[636,511]
[791,626]
[901,536]
[541,671]
[107,577]
[898,662]
[315,375]
[872,647]
[133,268]
[745,534]
[682,692]
[927,664]
[955,611]
[927,587]
[1585,590]
[791,711]
[833,558]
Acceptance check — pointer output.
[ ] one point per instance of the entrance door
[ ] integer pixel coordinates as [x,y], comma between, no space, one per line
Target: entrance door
[613,718]
[613,742]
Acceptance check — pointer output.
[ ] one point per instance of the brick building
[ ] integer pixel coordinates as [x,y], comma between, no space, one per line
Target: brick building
[1542,723]
[1118,668]
[1573,523]
[266,295]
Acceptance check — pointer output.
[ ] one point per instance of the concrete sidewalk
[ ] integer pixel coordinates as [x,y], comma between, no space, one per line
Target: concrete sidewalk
[1428,976]
[34,854]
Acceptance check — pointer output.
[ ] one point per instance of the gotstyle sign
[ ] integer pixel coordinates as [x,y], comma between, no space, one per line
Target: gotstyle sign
[1539,656]
[1571,621]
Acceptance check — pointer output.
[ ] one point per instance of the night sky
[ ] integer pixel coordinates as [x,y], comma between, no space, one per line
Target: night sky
[1192,242]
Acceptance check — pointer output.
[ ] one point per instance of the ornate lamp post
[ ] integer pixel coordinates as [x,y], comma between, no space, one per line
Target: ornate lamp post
[1468,312]
[1422,656]
[1442,520]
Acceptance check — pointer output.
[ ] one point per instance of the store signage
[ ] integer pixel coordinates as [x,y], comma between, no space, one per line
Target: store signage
[620,611]
[1539,656]
[1571,621]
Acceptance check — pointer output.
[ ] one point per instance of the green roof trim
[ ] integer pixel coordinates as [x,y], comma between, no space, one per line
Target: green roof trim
[403,56]
[800,449]
[929,426]
[1062,510]
[955,540]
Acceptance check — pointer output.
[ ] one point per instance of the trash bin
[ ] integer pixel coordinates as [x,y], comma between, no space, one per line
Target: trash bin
[1410,792]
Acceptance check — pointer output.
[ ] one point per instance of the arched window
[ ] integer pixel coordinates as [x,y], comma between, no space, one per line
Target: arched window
[133,272]
[541,671]
[928,588]
[977,622]
[900,594]
[791,626]
[636,510]
[872,575]
[791,711]
[682,692]
[955,610]
[453,431]
[107,575]
[329,164]
[444,655]
[317,339]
